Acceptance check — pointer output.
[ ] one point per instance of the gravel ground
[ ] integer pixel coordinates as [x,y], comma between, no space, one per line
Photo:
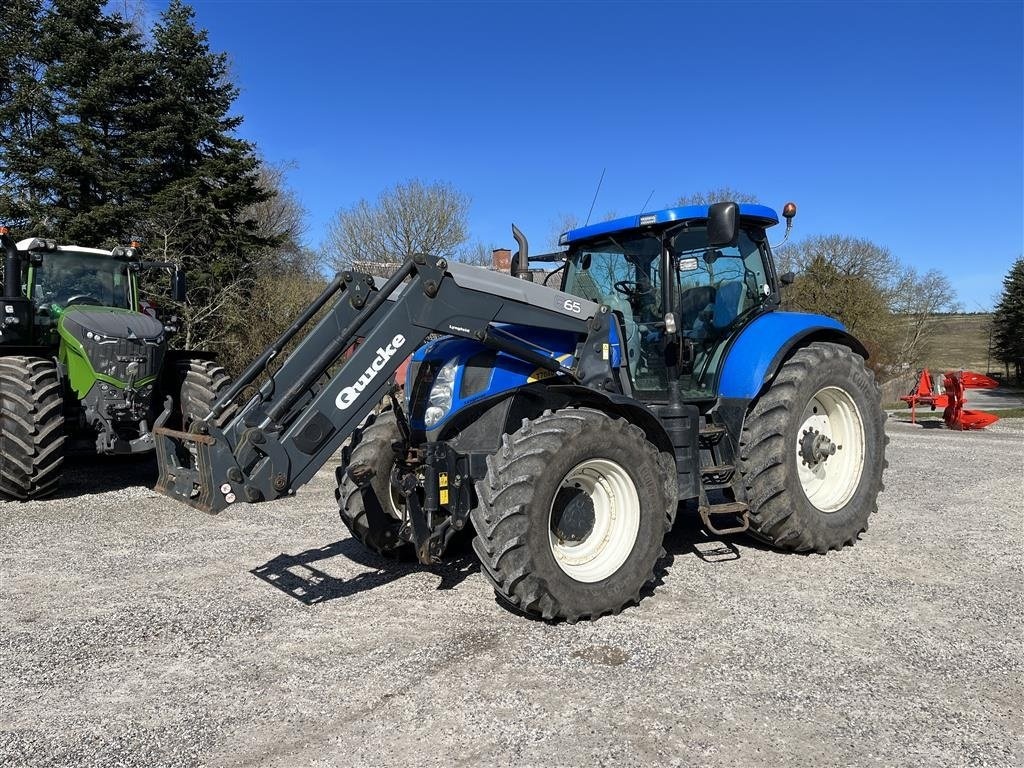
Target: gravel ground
[136,632]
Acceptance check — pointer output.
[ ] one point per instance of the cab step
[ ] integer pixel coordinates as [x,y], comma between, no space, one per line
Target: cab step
[738,510]
[710,434]
[717,476]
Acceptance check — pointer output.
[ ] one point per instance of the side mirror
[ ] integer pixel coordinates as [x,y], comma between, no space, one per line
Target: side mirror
[722,218]
[178,286]
[787,278]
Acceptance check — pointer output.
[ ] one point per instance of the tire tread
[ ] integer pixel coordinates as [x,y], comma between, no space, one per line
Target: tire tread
[31,428]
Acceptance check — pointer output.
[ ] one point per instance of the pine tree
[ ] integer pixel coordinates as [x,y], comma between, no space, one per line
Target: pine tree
[1008,321]
[204,177]
[77,174]
[25,110]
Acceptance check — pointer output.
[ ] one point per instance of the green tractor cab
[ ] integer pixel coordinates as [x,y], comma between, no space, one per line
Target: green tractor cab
[84,362]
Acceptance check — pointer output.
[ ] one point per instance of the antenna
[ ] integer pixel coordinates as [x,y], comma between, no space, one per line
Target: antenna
[595,196]
[644,206]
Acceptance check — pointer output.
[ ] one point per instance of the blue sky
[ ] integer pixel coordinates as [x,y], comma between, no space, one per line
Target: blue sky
[899,122]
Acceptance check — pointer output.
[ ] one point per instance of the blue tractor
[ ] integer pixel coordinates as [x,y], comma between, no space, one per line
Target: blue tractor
[563,425]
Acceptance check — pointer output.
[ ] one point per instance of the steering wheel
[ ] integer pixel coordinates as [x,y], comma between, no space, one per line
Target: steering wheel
[83,298]
[632,288]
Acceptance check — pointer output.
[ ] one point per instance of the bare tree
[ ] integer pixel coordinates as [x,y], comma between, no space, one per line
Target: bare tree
[716,195]
[478,254]
[559,225]
[408,218]
[281,215]
[281,218]
[849,256]
[890,306]
[567,221]
[916,301]
[236,315]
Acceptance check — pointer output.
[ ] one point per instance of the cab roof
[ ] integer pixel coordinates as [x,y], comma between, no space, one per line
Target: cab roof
[760,214]
[37,242]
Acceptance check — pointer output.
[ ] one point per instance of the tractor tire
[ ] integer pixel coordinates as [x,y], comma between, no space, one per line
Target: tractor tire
[573,513]
[31,428]
[812,451]
[202,382]
[371,445]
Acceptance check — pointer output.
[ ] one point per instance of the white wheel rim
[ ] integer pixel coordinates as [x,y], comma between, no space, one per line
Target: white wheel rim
[616,521]
[830,477]
[397,501]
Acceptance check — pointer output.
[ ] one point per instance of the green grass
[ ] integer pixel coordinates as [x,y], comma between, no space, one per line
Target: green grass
[960,342]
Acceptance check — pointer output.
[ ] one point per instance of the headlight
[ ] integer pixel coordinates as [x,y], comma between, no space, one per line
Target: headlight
[439,400]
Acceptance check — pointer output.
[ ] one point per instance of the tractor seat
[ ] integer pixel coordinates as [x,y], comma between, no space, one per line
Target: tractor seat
[728,303]
[692,302]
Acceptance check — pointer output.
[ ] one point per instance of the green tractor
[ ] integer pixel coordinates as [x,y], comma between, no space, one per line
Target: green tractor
[84,363]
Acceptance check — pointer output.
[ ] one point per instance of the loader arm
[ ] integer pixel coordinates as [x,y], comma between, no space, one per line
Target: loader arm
[273,444]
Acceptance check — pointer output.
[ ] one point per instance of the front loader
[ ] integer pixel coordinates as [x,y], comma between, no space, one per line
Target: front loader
[564,426]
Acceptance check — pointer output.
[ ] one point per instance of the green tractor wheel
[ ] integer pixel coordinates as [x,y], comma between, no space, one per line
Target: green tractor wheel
[31,427]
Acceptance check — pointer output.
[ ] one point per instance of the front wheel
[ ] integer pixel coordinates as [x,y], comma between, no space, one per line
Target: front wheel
[371,446]
[812,451]
[572,514]
[31,428]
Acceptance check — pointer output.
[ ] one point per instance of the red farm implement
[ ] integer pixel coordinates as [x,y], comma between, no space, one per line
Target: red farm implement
[951,400]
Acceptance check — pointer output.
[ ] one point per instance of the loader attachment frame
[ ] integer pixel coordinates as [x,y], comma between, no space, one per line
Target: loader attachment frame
[277,441]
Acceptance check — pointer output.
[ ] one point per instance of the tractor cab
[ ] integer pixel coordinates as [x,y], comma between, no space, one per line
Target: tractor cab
[56,278]
[681,281]
[64,276]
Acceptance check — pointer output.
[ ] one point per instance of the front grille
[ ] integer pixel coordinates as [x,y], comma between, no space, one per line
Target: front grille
[115,339]
[112,358]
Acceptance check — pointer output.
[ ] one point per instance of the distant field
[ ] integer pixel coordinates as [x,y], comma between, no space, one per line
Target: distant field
[960,342]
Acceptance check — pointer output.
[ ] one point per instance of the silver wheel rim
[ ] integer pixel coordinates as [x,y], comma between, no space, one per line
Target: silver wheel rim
[830,449]
[616,507]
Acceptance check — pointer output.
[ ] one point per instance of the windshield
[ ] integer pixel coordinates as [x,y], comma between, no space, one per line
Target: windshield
[616,271]
[73,277]
[625,274]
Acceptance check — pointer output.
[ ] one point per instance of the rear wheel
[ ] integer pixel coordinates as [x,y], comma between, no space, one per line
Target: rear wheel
[812,451]
[31,428]
[371,446]
[573,513]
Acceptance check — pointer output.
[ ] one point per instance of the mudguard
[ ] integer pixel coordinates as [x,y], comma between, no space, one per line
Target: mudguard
[755,354]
